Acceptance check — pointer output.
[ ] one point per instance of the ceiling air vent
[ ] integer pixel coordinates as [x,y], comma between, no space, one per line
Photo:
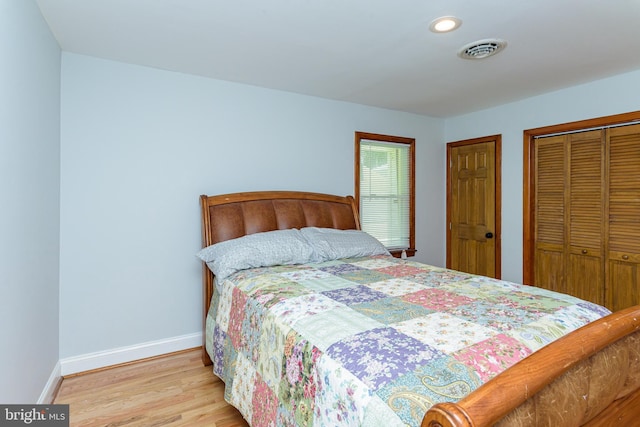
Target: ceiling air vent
[482,49]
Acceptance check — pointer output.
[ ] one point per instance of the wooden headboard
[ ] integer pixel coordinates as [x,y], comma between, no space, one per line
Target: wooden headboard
[229,216]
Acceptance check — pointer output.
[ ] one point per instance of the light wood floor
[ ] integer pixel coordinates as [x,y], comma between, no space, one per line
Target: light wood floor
[172,390]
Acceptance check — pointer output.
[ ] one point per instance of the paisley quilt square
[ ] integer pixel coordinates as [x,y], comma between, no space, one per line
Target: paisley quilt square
[329,327]
[445,332]
[444,379]
[377,356]
[437,299]
[391,310]
[397,287]
[490,357]
[294,309]
[495,316]
[554,325]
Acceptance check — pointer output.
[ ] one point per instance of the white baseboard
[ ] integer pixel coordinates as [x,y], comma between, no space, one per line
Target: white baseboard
[47,395]
[101,359]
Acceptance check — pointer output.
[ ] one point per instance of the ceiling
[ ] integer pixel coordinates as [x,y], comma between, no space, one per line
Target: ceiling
[372,52]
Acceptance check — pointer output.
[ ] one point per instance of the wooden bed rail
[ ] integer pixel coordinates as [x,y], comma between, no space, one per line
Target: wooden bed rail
[606,351]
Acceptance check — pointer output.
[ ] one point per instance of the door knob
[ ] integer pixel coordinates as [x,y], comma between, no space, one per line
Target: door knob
[489,235]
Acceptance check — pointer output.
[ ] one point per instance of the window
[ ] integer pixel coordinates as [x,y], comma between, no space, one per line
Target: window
[385,190]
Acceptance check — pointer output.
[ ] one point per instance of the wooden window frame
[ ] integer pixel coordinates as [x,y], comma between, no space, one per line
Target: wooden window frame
[359,136]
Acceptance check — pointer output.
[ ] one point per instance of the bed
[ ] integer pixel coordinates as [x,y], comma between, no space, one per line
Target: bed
[570,363]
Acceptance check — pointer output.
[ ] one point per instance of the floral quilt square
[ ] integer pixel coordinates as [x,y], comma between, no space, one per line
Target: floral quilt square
[436,278]
[397,287]
[294,309]
[492,356]
[495,316]
[265,404]
[437,299]
[341,397]
[354,295]
[445,332]
[402,270]
[299,382]
[339,268]
[379,355]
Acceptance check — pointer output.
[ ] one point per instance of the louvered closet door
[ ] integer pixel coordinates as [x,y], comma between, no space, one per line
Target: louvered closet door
[569,237]
[624,217]
[549,213]
[584,216]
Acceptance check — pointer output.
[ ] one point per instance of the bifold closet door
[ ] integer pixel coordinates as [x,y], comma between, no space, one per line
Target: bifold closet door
[585,216]
[623,255]
[569,216]
[549,229]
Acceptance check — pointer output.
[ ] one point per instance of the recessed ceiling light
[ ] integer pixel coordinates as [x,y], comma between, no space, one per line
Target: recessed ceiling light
[445,24]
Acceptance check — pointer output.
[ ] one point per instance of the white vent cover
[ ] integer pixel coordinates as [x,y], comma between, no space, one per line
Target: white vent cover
[481,49]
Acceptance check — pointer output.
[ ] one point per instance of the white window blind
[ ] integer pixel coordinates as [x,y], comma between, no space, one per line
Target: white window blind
[385,189]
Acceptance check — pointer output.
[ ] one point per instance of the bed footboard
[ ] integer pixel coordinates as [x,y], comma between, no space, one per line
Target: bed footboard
[589,377]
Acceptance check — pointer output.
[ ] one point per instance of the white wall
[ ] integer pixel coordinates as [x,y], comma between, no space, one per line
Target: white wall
[605,97]
[138,147]
[29,194]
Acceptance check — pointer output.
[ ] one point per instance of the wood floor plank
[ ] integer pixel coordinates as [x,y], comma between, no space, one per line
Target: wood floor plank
[174,390]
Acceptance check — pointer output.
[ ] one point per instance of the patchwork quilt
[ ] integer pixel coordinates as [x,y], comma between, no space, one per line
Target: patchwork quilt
[372,341]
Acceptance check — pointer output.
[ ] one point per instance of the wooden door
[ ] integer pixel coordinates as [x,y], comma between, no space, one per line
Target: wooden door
[473,213]
[623,256]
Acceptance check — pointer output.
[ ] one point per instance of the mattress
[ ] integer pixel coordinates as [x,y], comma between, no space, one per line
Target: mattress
[372,340]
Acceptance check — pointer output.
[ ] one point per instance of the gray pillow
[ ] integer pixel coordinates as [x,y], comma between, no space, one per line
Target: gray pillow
[329,243]
[279,247]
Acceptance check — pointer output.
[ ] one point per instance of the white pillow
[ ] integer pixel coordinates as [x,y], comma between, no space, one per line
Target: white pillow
[279,247]
[329,243]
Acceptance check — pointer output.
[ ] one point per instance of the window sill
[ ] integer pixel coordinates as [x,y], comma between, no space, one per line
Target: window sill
[398,252]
